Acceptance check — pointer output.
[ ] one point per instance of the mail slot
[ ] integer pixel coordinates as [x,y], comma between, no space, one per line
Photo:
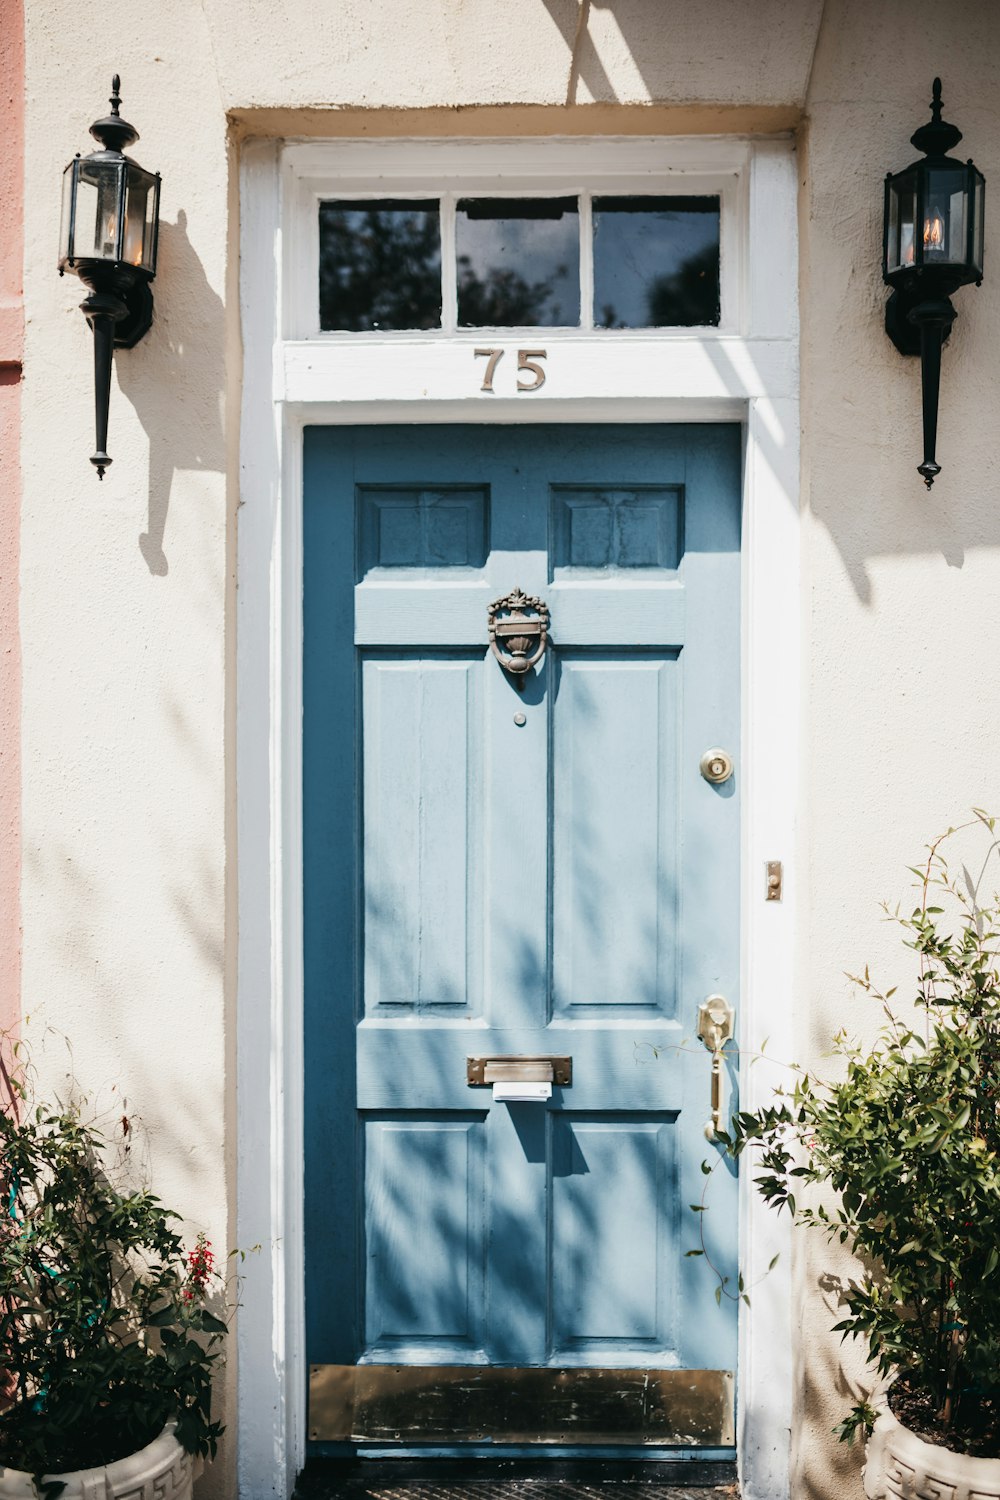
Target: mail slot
[482,1072]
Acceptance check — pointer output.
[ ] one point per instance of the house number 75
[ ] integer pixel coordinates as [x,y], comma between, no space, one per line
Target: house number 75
[527,365]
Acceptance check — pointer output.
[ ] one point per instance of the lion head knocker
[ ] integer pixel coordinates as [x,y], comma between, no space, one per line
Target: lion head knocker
[519,632]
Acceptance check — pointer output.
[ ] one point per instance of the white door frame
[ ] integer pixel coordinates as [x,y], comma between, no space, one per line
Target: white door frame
[745,371]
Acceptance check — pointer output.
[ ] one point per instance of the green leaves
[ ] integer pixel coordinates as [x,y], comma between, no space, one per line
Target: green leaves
[102,1320]
[905,1145]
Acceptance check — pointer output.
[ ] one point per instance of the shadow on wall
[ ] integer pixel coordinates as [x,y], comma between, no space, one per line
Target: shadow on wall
[124,983]
[178,389]
[662,69]
[861,399]
[872,502]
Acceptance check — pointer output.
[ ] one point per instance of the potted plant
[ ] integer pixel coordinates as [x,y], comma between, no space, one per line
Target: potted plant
[107,1346]
[907,1137]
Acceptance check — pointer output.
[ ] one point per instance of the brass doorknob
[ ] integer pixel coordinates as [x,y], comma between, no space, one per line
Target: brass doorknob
[716,766]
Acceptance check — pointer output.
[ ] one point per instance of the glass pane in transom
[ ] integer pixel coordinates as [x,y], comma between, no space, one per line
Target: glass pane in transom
[379,265]
[656,262]
[518,262]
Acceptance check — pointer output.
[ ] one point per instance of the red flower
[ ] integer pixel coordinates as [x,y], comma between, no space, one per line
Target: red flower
[201,1263]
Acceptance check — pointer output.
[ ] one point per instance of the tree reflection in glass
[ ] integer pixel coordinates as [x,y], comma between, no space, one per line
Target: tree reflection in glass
[656,262]
[518,262]
[379,265]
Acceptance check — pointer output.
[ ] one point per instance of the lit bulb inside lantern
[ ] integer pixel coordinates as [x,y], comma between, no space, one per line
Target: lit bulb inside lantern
[133,242]
[934,232]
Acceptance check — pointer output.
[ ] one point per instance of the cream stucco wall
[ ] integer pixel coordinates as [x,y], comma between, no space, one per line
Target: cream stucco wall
[124,589]
[129,855]
[900,619]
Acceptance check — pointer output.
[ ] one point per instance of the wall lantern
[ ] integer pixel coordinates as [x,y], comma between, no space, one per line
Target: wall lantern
[110,218]
[933,244]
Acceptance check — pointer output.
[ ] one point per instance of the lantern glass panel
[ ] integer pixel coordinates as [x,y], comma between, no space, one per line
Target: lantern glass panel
[97,225]
[139,247]
[943,231]
[899,252]
[66,219]
[977,241]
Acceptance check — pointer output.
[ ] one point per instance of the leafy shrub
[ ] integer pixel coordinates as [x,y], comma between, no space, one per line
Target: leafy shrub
[909,1140]
[104,1330]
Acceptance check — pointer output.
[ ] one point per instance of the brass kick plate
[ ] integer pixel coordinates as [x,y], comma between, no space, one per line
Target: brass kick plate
[480,1072]
[475,1403]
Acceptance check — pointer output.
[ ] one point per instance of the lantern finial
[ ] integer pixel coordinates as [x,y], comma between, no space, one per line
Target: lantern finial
[114,133]
[937,137]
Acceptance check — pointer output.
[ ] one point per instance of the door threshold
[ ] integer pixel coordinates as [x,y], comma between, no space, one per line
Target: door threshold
[516,1479]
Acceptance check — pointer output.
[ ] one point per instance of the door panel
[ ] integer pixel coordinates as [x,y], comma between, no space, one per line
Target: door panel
[614,1223]
[423,914]
[614,835]
[494,871]
[425,1237]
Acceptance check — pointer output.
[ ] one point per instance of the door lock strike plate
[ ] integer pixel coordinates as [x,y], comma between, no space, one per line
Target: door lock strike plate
[774,880]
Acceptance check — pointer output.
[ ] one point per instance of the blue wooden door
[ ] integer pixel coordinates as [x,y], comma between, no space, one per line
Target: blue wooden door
[495,871]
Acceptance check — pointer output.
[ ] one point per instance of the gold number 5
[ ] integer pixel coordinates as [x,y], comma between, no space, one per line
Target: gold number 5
[526,361]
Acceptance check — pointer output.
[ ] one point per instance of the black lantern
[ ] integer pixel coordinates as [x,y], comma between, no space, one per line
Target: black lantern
[933,244]
[110,218]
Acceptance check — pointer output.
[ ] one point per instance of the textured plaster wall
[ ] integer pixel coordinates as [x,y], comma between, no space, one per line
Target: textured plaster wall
[11,342]
[124,618]
[899,613]
[127,587]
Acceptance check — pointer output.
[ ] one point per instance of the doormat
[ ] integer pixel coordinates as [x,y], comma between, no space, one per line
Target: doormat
[515,1479]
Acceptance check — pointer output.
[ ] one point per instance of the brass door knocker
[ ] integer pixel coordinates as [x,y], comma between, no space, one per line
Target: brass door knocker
[519,632]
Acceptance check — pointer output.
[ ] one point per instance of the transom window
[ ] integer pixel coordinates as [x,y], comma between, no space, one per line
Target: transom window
[587,260]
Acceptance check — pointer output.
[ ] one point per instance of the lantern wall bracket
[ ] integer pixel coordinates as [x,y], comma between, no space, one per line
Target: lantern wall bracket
[901,327]
[932,246]
[109,238]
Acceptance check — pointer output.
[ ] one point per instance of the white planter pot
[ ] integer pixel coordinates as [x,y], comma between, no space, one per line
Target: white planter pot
[160,1471]
[901,1466]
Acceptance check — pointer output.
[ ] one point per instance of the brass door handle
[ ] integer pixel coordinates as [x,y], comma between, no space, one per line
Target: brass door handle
[715,1027]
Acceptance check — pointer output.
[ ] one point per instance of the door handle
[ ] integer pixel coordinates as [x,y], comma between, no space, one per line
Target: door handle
[716,766]
[715,1027]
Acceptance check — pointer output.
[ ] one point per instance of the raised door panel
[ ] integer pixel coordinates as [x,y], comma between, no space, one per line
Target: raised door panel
[615,834]
[613,1247]
[425,1243]
[423,916]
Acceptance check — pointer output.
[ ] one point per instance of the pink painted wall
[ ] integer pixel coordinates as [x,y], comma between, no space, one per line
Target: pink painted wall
[11,340]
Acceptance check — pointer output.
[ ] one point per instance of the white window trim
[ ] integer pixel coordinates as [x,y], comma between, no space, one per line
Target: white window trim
[746,371]
[483,169]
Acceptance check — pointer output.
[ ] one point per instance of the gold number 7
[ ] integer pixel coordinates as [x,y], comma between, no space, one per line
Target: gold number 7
[493,358]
